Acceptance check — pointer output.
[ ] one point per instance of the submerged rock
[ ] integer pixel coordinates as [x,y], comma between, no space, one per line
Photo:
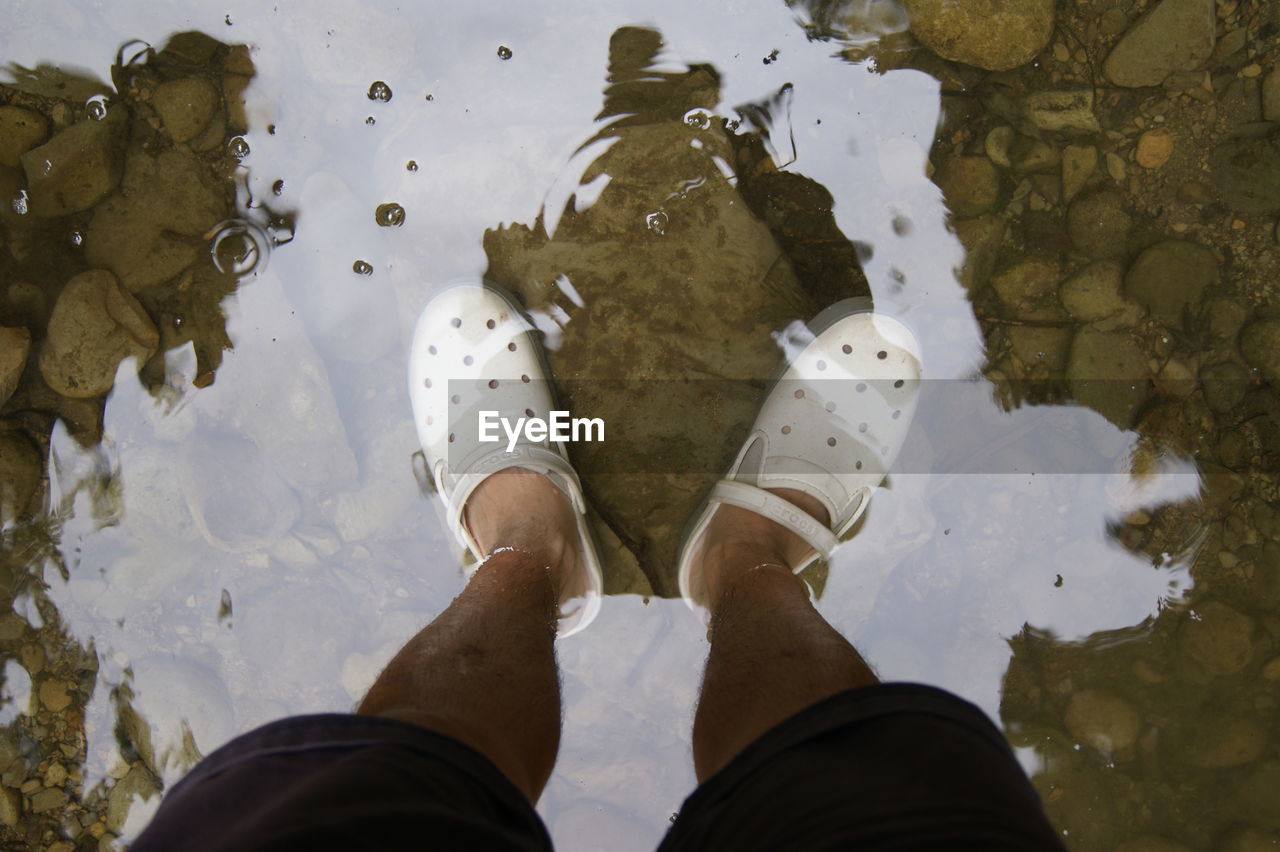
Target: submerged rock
[155,227]
[1171,276]
[185,106]
[78,167]
[1247,173]
[20,131]
[1221,639]
[970,185]
[1098,225]
[20,470]
[1176,35]
[1107,371]
[1105,722]
[993,34]
[1078,164]
[95,325]
[15,344]
[1093,293]
[1062,110]
[1260,346]
[1224,385]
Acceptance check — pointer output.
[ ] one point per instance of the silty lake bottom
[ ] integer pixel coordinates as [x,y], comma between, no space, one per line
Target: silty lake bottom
[218,226]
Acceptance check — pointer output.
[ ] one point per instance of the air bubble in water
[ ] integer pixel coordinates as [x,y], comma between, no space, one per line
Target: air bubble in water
[656,222]
[239,248]
[371,121]
[389,215]
[699,118]
[96,107]
[412,165]
[361,268]
[379,91]
[504,52]
[77,238]
[135,52]
[238,147]
[19,203]
[277,188]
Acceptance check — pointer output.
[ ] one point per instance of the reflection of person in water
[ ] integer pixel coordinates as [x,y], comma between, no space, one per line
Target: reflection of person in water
[796,743]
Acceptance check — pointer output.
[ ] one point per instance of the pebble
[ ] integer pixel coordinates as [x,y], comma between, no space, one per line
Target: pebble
[1115,166]
[970,185]
[997,145]
[55,694]
[10,806]
[1252,70]
[1271,671]
[1093,293]
[48,799]
[15,345]
[1155,147]
[185,106]
[1224,385]
[1098,225]
[1078,164]
[1070,110]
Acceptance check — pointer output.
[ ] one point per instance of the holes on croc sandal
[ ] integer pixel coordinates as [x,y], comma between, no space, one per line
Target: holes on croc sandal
[456,322]
[882,354]
[831,442]
[525,379]
[857,465]
[800,394]
[862,427]
[455,399]
[528,412]
[490,324]
[468,360]
[846,349]
[431,349]
[786,430]
[493,383]
[861,387]
[822,365]
[897,414]
[450,437]
[830,406]
[899,383]
[511,347]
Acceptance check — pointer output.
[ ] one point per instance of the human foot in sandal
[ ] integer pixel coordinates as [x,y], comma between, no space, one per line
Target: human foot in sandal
[473,351]
[823,441]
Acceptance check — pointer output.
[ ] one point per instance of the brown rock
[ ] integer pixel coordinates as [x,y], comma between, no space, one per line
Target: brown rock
[20,131]
[1155,147]
[55,695]
[185,106]
[993,34]
[15,344]
[78,167]
[1220,639]
[1107,723]
[21,469]
[970,185]
[95,325]
[1098,225]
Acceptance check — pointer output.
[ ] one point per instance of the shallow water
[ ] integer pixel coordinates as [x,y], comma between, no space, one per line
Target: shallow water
[248,539]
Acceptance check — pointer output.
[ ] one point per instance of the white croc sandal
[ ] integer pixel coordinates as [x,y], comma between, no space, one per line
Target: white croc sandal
[830,427]
[473,350]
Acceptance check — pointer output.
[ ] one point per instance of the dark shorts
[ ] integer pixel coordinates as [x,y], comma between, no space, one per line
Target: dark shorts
[893,766]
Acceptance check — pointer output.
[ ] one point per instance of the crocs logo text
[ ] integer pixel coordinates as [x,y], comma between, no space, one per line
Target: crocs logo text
[559,427]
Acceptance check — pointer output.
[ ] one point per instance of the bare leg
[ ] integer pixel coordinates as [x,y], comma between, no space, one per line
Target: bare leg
[484,671]
[772,654]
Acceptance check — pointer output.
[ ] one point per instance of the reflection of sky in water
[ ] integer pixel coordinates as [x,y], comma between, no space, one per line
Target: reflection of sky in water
[348,560]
